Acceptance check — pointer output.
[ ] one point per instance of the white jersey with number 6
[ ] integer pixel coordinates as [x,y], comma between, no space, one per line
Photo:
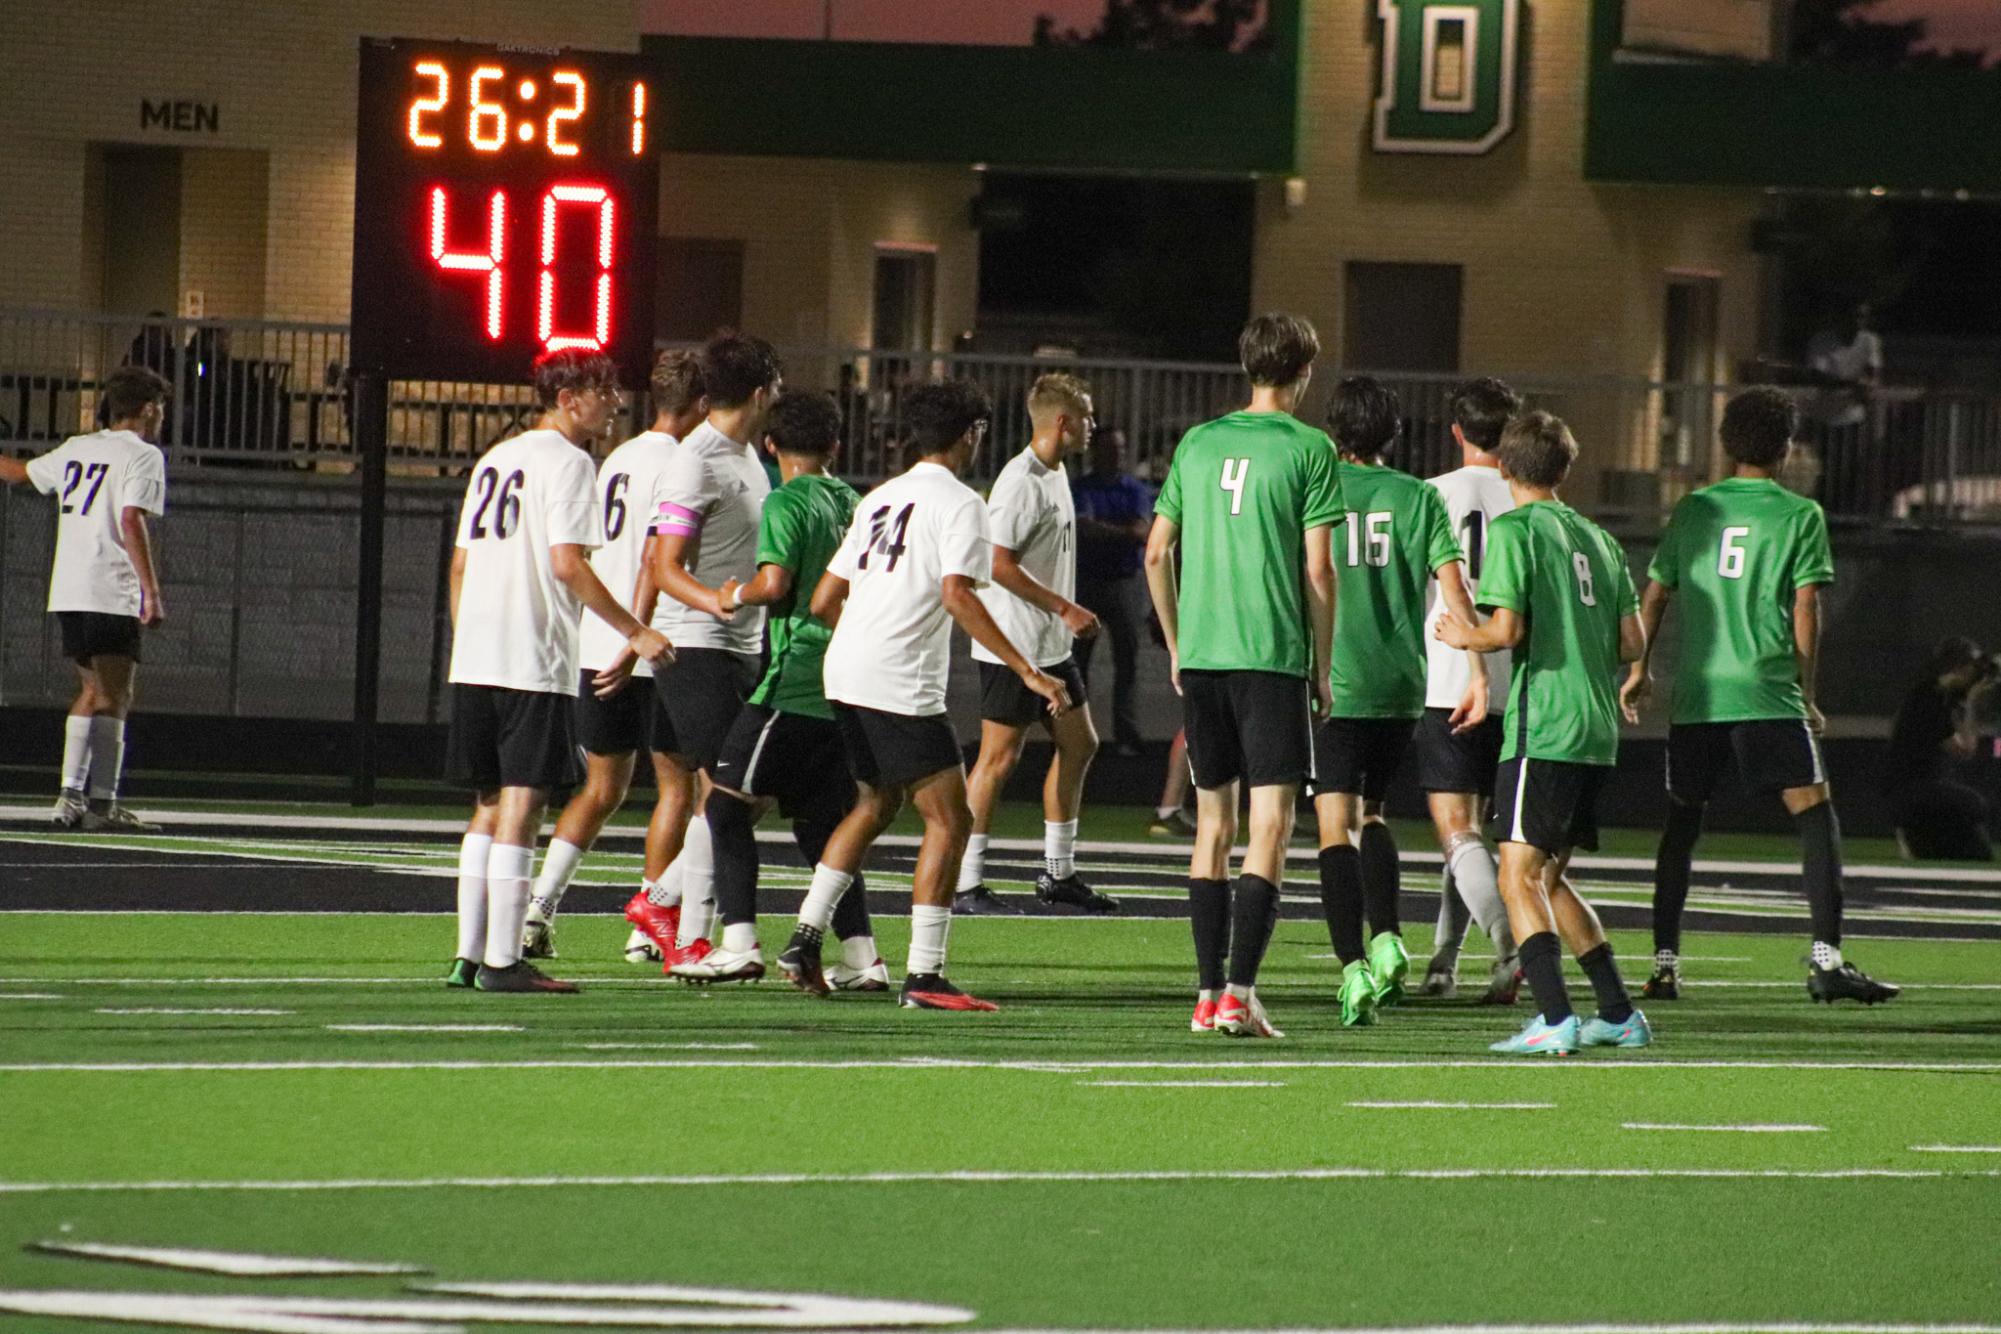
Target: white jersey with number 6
[517,623]
[626,482]
[1474,498]
[891,649]
[95,478]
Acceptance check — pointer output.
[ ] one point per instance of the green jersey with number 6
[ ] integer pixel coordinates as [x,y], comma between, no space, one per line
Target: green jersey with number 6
[1244,489]
[1737,551]
[802,526]
[1397,533]
[1567,580]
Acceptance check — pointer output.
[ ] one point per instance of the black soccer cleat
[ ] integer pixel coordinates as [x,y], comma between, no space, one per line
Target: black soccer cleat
[979,901]
[1847,982]
[800,962]
[462,973]
[1664,985]
[522,977]
[1074,892]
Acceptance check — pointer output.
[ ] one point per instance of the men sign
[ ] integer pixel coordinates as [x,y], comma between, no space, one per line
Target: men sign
[1449,81]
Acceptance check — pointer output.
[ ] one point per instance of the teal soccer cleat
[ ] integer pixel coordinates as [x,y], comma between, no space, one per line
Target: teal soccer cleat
[1540,1039]
[1635,1032]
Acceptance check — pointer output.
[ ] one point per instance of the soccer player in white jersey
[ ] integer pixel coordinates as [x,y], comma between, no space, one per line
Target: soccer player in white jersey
[520,577]
[614,718]
[103,586]
[707,504]
[1455,768]
[1034,525]
[912,563]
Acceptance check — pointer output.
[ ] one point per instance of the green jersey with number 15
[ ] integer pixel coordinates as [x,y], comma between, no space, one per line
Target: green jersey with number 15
[1244,489]
[1567,580]
[1397,533]
[1737,552]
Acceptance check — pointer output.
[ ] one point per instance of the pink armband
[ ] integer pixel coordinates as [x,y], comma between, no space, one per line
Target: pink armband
[677,521]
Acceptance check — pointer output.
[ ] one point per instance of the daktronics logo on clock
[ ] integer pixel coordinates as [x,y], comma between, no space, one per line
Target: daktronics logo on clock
[505,205]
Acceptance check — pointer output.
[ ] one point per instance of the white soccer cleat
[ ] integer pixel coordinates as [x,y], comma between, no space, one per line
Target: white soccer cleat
[69,811]
[538,938]
[116,819]
[720,965]
[639,949]
[875,977]
[1244,1018]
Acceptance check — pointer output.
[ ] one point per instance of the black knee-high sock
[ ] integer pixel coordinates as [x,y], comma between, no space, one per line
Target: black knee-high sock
[1341,900]
[1381,879]
[1671,870]
[851,916]
[734,834]
[1614,1006]
[1542,962]
[1252,918]
[1209,914]
[1820,841]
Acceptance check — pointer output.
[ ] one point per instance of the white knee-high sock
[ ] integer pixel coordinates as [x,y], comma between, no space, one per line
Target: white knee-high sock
[473,851]
[1059,848]
[107,756]
[973,866]
[559,864]
[928,928]
[1474,876]
[828,886]
[507,871]
[697,865]
[666,891]
[76,752]
[1449,935]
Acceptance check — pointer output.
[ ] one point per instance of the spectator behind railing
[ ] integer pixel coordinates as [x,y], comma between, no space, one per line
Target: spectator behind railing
[1935,816]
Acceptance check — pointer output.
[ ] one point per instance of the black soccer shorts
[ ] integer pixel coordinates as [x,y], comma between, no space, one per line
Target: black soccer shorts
[894,750]
[1006,698]
[1549,804]
[621,725]
[511,738]
[1359,756]
[1773,754]
[1253,726]
[702,691]
[90,634]
[1464,762]
[796,759]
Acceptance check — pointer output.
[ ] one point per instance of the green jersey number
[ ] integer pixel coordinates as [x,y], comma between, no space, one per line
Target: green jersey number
[1731,559]
[1587,593]
[1235,473]
[1373,546]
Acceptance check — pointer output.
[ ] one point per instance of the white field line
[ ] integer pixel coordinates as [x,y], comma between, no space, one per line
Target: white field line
[664,1046]
[999,1178]
[1749,1129]
[1457,1106]
[168,1009]
[928,1064]
[423,1028]
[1768,1327]
[29,995]
[1956,1148]
[1180,1084]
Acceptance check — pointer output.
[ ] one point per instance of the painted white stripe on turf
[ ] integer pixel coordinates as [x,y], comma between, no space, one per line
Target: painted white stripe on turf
[1000,1178]
[1180,1084]
[1458,1106]
[168,1009]
[423,1028]
[1776,1129]
[664,1046]
[1956,1148]
[235,1263]
[1707,1328]
[922,1064]
[30,995]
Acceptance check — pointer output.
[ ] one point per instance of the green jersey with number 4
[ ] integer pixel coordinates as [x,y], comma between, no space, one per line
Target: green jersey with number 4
[1737,552]
[803,524]
[1244,489]
[1397,533]
[1567,580]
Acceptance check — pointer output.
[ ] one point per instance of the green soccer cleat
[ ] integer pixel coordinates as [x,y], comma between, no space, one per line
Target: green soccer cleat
[1635,1032]
[1358,995]
[1390,963]
[1540,1039]
[462,973]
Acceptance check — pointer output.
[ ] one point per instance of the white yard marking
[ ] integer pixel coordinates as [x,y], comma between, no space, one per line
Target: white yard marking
[1956,1148]
[1001,1178]
[169,1009]
[924,1064]
[1774,1129]
[423,1028]
[664,1046]
[1457,1106]
[1180,1084]
[234,1263]
[29,995]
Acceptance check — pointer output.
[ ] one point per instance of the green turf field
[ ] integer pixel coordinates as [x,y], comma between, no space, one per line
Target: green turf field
[301,1086]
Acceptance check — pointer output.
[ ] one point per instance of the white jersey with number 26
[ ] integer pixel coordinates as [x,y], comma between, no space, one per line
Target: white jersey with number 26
[1474,498]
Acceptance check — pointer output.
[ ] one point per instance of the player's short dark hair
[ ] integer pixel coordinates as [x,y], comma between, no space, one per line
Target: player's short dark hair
[1364,417]
[676,382]
[130,390]
[573,368]
[935,415]
[1759,425]
[735,366]
[1480,408]
[804,424]
[1537,449]
[1277,348]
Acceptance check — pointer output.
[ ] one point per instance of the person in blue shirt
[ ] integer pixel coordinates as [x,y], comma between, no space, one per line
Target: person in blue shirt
[1114,513]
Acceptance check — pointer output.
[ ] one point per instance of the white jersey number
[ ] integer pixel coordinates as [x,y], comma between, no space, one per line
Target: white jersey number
[1372,546]
[1235,473]
[1731,559]
[503,501]
[1587,593]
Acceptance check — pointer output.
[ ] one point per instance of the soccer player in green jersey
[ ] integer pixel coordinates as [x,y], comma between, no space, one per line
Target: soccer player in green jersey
[784,746]
[1563,601]
[1251,499]
[1397,533]
[1749,558]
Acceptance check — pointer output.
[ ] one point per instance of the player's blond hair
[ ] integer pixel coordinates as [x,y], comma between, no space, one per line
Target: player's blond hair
[1056,392]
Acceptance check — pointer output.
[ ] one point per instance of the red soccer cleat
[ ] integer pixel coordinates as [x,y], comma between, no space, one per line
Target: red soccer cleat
[659,925]
[1205,1017]
[930,991]
[697,951]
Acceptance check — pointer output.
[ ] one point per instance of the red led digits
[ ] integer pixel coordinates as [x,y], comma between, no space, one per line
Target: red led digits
[575,83]
[545,321]
[490,114]
[638,119]
[423,106]
[466,261]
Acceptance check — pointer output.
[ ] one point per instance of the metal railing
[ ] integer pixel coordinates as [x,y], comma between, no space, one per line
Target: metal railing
[273,394]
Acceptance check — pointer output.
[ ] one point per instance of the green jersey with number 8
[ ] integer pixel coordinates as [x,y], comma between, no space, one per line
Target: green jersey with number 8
[1244,489]
[1737,551]
[1566,578]
[1397,533]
